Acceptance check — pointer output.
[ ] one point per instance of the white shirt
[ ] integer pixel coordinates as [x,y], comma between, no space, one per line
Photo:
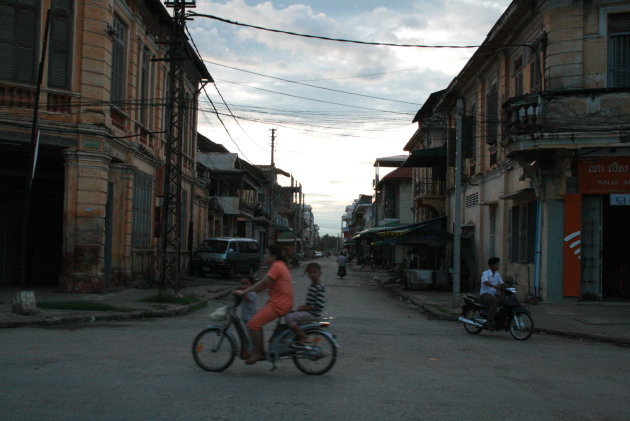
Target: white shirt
[492,278]
[341,260]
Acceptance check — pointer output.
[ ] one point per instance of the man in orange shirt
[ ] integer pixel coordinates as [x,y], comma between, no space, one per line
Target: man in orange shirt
[280,284]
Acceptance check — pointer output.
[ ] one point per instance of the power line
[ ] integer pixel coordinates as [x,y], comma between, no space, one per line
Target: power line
[385,44]
[309,85]
[320,100]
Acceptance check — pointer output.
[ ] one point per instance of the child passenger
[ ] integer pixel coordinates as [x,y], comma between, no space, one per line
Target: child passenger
[312,308]
[248,309]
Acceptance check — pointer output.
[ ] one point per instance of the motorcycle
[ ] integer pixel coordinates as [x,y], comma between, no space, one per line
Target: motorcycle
[510,315]
[341,271]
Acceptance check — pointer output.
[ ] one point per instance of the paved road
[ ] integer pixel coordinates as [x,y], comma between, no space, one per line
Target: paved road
[394,364]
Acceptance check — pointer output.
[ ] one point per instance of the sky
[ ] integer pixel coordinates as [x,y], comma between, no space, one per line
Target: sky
[328,140]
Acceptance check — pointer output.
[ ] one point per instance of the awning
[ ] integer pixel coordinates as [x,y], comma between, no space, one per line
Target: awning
[424,232]
[430,157]
[375,230]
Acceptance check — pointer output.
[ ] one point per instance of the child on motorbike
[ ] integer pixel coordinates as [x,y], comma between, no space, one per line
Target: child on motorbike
[312,308]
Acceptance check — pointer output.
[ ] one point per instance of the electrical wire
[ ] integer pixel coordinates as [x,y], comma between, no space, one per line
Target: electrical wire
[309,85]
[385,44]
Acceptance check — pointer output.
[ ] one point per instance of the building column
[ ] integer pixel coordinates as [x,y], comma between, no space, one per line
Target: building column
[85,200]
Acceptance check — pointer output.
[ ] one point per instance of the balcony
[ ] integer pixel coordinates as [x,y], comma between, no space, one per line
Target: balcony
[429,187]
[566,119]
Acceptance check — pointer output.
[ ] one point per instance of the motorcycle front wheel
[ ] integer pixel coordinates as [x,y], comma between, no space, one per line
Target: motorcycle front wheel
[521,326]
[472,313]
[318,356]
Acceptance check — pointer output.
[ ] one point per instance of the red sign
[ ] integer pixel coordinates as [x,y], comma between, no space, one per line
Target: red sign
[572,241]
[604,175]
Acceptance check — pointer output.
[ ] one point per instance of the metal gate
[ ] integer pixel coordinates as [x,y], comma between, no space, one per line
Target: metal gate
[591,253]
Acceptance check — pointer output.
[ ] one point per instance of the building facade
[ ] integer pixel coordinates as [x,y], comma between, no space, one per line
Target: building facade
[544,143]
[103,118]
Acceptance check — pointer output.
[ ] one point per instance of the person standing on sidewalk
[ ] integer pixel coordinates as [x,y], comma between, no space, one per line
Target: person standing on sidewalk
[280,284]
[491,284]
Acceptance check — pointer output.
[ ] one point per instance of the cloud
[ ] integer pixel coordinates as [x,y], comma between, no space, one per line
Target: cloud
[331,149]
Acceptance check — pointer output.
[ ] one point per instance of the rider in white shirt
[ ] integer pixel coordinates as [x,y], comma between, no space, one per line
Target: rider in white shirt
[491,283]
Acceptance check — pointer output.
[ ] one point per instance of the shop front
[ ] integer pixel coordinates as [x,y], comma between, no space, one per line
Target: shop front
[597,230]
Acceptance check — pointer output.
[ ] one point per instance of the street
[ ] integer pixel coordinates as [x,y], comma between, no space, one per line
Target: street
[393,364]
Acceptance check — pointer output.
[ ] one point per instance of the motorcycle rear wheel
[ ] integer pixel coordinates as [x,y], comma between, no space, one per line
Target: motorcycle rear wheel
[472,313]
[521,326]
[317,357]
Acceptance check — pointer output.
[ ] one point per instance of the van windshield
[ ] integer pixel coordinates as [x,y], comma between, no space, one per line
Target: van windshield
[215,246]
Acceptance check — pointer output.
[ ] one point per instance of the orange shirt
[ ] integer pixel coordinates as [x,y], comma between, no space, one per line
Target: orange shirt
[281,289]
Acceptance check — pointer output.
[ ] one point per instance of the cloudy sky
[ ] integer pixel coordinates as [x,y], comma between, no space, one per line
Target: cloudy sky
[326,138]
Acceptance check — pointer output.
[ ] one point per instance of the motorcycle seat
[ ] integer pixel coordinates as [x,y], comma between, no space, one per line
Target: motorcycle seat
[474,299]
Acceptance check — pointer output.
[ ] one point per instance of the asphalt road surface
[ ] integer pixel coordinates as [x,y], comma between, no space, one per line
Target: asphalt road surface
[394,364]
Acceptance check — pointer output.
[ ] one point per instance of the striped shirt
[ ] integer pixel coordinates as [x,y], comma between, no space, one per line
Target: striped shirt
[315,299]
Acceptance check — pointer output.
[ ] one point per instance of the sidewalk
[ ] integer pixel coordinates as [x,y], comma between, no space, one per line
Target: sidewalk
[124,303]
[606,322]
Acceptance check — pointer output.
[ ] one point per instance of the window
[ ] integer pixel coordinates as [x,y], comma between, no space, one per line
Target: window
[141,213]
[619,50]
[19,21]
[492,117]
[60,43]
[517,75]
[119,37]
[145,74]
[522,232]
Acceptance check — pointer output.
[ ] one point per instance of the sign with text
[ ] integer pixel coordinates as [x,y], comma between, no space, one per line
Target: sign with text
[604,175]
[620,199]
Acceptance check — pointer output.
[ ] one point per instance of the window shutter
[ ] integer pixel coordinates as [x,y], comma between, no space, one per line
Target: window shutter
[532,217]
[7,32]
[513,232]
[451,147]
[25,34]
[59,52]
[468,136]
[492,119]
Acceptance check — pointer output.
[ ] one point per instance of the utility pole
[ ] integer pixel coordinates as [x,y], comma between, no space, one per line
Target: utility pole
[170,256]
[33,154]
[272,183]
[457,241]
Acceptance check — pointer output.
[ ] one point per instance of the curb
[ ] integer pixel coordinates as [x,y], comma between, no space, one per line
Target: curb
[113,316]
[440,315]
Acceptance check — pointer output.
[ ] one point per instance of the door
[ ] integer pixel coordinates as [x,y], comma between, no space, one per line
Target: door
[591,253]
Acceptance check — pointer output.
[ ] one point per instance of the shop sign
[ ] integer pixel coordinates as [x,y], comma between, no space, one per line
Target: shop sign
[604,175]
[620,199]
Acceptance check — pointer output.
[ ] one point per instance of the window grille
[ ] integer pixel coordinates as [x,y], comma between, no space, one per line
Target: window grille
[472,200]
[619,50]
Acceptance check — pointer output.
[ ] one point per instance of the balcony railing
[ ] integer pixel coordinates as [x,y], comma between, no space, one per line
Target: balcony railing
[429,187]
[566,111]
[522,114]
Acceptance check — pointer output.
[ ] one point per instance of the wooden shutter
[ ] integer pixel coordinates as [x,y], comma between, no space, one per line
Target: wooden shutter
[619,50]
[451,147]
[513,232]
[7,37]
[25,44]
[492,120]
[532,218]
[468,136]
[118,60]
[60,45]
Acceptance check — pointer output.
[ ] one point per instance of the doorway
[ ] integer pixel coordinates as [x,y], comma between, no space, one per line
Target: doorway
[615,262]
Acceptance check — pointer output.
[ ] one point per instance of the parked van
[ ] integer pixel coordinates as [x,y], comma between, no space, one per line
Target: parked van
[226,256]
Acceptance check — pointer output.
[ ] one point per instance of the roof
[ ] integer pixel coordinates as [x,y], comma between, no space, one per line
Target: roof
[429,157]
[218,160]
[399,173]
[390,161]
[427,108]
[206,145]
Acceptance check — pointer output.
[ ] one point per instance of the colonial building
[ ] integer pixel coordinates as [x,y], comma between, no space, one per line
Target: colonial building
[546,163]
[98,183]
